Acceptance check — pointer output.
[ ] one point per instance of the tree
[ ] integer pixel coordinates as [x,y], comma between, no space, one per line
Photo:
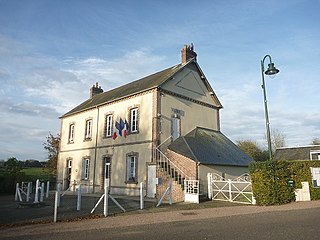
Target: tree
[277,140]
[52,146]
[253,150]
[315,141]
[12,166]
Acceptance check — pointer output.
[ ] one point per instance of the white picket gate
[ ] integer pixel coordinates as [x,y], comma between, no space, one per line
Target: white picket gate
[191,191]
[237,190]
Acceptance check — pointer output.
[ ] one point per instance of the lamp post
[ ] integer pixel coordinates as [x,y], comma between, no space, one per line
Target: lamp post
[270,71]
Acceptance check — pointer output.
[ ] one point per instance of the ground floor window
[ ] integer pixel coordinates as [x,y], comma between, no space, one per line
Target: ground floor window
[85,168]
[131,172]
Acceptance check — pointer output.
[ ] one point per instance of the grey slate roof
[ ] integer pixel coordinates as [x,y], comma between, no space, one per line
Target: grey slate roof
[207,146]
[295,153]
[143,84]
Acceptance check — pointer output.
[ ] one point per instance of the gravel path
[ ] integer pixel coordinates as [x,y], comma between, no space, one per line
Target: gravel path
[151,218]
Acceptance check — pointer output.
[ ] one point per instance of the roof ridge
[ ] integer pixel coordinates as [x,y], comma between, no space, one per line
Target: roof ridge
[190,149]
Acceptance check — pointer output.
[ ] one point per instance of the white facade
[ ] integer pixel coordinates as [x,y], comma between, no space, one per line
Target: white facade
[174,108]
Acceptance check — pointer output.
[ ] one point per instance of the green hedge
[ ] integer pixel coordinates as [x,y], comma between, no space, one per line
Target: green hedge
[270,180]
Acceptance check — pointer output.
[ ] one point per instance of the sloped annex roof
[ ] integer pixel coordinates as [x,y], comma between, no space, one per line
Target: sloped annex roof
[141,85]
[295,153]
[207,146]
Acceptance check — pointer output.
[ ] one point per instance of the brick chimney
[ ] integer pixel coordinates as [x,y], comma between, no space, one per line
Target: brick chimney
[95,89]
[187,53]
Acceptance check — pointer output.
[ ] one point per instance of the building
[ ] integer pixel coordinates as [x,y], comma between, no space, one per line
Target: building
[311,152]
[123,134]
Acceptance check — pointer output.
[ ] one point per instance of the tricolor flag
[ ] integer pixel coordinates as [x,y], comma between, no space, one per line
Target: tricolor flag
[125,129]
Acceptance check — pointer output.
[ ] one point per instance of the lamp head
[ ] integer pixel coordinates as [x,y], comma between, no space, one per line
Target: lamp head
[271,69]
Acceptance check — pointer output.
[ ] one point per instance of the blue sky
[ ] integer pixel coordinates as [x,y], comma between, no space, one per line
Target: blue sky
[51,52]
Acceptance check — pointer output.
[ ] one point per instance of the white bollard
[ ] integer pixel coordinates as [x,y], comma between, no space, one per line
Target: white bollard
[141,196]
[55,206]
[17,190]
[41,192]
[170,193]
[48,187]
[28,191]
[59,194]
[36,197]
[106,197]
[79,198]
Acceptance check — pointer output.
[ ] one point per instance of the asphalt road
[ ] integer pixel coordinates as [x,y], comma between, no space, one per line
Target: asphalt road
[285,224]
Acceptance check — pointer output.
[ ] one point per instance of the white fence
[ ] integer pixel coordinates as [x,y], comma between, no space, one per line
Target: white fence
[238,190]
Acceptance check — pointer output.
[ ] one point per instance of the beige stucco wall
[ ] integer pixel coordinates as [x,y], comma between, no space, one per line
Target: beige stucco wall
[231,172]
[97,148]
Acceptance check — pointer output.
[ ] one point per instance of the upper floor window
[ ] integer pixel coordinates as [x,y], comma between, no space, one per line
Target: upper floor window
[108,125]
[134,116]
[71,133]
[88,133]
[175,127]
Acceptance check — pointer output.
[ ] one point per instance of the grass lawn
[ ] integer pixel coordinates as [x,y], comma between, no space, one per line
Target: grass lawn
[32,174]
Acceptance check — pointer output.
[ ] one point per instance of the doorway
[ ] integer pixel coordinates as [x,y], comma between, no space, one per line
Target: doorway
[106,170]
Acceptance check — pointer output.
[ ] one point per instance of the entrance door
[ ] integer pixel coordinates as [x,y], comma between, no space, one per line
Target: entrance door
[106,172]
[68,174]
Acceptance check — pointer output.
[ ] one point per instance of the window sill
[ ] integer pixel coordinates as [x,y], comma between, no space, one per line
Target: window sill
[131,182]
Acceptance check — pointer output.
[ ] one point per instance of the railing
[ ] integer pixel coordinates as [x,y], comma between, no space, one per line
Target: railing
[175,172]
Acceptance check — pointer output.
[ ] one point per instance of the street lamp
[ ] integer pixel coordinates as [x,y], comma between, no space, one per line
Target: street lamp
[270,71]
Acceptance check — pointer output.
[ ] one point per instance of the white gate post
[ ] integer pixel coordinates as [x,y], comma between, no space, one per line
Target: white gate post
[36,197]
[41,192]
[230,193]
[141,196]
[48,186]
[79,198]
[209,177]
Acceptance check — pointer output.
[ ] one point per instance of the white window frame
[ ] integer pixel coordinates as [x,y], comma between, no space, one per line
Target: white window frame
[71,132]
[85,168]
[315,173]
[131,176]
[314,152]
[134,116]
[88,129]
[109,123]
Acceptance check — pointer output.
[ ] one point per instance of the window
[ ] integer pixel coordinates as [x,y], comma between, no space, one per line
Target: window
[85,168]
[314,155]
[108,125]
[176,131]
[134,120]
[131,168]
[315,172]
[71,133]
[88,135]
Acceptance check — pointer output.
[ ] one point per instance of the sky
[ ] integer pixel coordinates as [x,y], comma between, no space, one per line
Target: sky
[52,52]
